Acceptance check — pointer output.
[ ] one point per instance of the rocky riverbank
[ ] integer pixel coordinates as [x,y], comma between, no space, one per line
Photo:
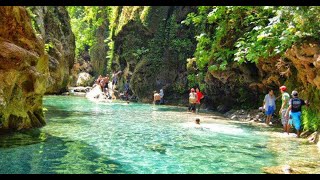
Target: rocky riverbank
[77,91]
[300,156]
[308,143]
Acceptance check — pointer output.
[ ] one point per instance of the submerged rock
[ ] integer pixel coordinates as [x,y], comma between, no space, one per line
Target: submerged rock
[23,71]
[156,147]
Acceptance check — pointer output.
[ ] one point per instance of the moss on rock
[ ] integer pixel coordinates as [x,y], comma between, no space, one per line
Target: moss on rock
[23,71]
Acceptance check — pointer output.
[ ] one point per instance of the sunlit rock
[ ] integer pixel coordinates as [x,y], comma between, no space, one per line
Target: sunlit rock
[24,71]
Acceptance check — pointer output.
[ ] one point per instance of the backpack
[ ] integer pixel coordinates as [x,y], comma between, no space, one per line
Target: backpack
[192,97]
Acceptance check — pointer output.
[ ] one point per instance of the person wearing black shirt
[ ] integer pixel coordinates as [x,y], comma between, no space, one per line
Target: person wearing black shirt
[294,111]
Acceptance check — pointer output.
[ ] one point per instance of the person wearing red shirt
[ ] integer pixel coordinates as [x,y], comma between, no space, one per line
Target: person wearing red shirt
[199,97]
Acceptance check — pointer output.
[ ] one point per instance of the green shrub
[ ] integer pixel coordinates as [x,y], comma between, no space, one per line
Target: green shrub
[310,119]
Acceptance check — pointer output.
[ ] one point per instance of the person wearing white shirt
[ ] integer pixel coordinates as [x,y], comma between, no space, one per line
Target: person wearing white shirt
[269,104]
[161,96]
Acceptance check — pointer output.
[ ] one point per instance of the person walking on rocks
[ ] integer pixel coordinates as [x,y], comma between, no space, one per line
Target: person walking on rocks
[285,97]
[269,104]
[294,111]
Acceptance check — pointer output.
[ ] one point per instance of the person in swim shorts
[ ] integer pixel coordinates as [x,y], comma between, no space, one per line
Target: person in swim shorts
[294,111]
[269,104]
[285,97]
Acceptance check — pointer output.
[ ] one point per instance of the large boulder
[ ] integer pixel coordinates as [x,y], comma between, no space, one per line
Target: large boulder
[23,71]
[80,66]
[84,79]
[314,138]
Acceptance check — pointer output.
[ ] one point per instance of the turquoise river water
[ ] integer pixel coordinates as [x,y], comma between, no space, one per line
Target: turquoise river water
[87,137]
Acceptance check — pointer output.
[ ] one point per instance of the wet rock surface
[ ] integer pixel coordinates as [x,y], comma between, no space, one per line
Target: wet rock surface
[254,115]
[53,24]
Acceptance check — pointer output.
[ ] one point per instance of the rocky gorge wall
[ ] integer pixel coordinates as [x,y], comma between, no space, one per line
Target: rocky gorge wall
[53,23]
[146,50]
[248,83]
[23,71]
[150,47]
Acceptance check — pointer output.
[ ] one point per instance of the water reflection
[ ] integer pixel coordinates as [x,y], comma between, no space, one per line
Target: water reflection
[34,152]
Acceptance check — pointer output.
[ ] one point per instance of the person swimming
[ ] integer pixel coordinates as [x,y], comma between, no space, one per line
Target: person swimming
[198,126]
[197,121]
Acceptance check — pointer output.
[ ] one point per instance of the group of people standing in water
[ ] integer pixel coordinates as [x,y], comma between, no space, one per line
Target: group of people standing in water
[104,81]
[195,97]
[290,110]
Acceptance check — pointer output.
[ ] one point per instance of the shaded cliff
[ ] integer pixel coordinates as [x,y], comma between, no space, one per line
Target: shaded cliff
[151,47]
[23,71]
[53,23]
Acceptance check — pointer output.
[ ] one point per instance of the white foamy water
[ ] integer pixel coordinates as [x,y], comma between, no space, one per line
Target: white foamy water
[217,128]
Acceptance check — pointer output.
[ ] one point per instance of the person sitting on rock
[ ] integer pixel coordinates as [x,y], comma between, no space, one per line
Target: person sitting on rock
[269,104]
[156,98]
[103,84]
[294,111]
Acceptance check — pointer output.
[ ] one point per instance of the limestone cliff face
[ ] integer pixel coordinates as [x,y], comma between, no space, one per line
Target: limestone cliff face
[299,70]
[98,51]
[232,87]
[23,71]
[151,47]
[53,23]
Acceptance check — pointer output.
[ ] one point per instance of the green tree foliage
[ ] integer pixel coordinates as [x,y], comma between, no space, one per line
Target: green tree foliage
[310,119]
[85,21]
[245,33]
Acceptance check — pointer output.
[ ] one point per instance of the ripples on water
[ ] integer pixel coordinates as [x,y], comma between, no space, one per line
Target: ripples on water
[87,137]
